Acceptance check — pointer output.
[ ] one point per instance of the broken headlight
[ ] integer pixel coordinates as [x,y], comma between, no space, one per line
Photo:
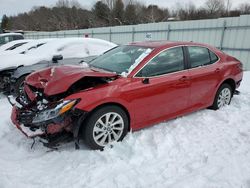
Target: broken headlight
[49,114]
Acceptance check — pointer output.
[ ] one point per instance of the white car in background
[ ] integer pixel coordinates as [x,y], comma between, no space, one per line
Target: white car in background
[11,46]
[23,48]
[14,68]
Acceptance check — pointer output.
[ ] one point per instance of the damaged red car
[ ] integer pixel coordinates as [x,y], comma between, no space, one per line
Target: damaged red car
[127,88]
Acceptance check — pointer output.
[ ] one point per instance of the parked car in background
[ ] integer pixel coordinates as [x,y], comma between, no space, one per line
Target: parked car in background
[7,37]
[22,49]
[14,68]
[13,45]
[128,88]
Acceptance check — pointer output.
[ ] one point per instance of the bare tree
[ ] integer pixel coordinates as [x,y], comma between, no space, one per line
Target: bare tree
[130,16]
[118,12]
[75,3]
[244,8]
[110,3]
[186,12]
[62,3]
[215,7]
[228,6]
[69,14]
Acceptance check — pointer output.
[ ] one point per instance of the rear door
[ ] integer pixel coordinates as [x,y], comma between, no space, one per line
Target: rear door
[167,91]
[204,74]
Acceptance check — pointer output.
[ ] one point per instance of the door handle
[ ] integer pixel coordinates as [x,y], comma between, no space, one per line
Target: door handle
[217,70]
[184,79]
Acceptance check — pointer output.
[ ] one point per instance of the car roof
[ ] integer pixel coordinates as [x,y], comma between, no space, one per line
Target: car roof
[164,43]
[14,42]
[10,34]
[59,43]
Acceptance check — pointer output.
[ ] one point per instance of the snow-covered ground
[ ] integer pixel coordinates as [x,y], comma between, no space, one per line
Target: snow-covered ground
[206,149]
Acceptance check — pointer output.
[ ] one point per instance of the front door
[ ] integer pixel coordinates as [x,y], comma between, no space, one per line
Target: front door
[166,92]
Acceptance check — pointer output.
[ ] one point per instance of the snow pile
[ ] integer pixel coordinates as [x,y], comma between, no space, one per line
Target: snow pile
[205,149]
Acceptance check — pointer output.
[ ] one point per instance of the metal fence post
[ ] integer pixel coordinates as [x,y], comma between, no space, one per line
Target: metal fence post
[168,34]
[110,35]
[133,34]
[222,34]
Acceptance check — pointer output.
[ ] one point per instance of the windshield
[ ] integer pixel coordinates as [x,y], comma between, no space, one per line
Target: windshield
[122,59]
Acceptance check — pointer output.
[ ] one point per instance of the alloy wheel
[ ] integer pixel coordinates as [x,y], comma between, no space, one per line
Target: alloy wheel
[108,128]
[224,97]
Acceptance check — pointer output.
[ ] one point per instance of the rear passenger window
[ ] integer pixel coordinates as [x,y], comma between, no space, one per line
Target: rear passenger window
[213,57]
[200,56]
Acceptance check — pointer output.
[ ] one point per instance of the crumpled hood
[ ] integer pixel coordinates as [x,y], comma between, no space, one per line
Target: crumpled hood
[56,80]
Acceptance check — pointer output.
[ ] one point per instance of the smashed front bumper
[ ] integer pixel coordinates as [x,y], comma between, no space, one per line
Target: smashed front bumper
[32,130]
[25,130]
[27,107]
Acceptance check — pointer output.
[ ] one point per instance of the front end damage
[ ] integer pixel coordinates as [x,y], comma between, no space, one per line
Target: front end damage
[42,110]
[53,121]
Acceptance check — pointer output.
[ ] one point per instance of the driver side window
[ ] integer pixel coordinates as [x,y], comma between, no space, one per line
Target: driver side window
[168,61]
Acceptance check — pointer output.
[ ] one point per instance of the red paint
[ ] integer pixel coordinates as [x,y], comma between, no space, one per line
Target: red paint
[31,95]
[165,97]
[55,80]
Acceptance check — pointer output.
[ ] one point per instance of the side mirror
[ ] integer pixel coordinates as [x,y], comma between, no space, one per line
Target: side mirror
[56,58]
[145,81]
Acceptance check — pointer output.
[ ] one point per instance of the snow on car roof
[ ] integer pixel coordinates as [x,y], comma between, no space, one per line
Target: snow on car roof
[79,47]
[9,34]
[84,47]
[30,45]
[12,43]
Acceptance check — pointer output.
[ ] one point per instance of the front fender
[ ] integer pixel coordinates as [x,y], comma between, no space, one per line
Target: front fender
[93,98]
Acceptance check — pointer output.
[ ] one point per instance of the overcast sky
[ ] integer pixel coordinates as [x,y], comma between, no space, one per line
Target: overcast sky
[13,7]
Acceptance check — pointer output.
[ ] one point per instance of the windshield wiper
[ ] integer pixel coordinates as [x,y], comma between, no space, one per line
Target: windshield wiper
[100,68]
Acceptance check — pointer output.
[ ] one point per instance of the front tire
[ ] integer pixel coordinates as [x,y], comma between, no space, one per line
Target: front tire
[223,96]
[105,125]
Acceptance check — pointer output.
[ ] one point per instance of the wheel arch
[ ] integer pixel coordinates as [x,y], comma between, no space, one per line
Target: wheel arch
[230,82]
[114,104]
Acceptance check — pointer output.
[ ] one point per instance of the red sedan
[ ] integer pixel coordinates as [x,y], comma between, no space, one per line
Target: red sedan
[127,88]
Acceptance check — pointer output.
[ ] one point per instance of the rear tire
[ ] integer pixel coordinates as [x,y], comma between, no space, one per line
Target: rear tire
[105,125]
[223,96]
